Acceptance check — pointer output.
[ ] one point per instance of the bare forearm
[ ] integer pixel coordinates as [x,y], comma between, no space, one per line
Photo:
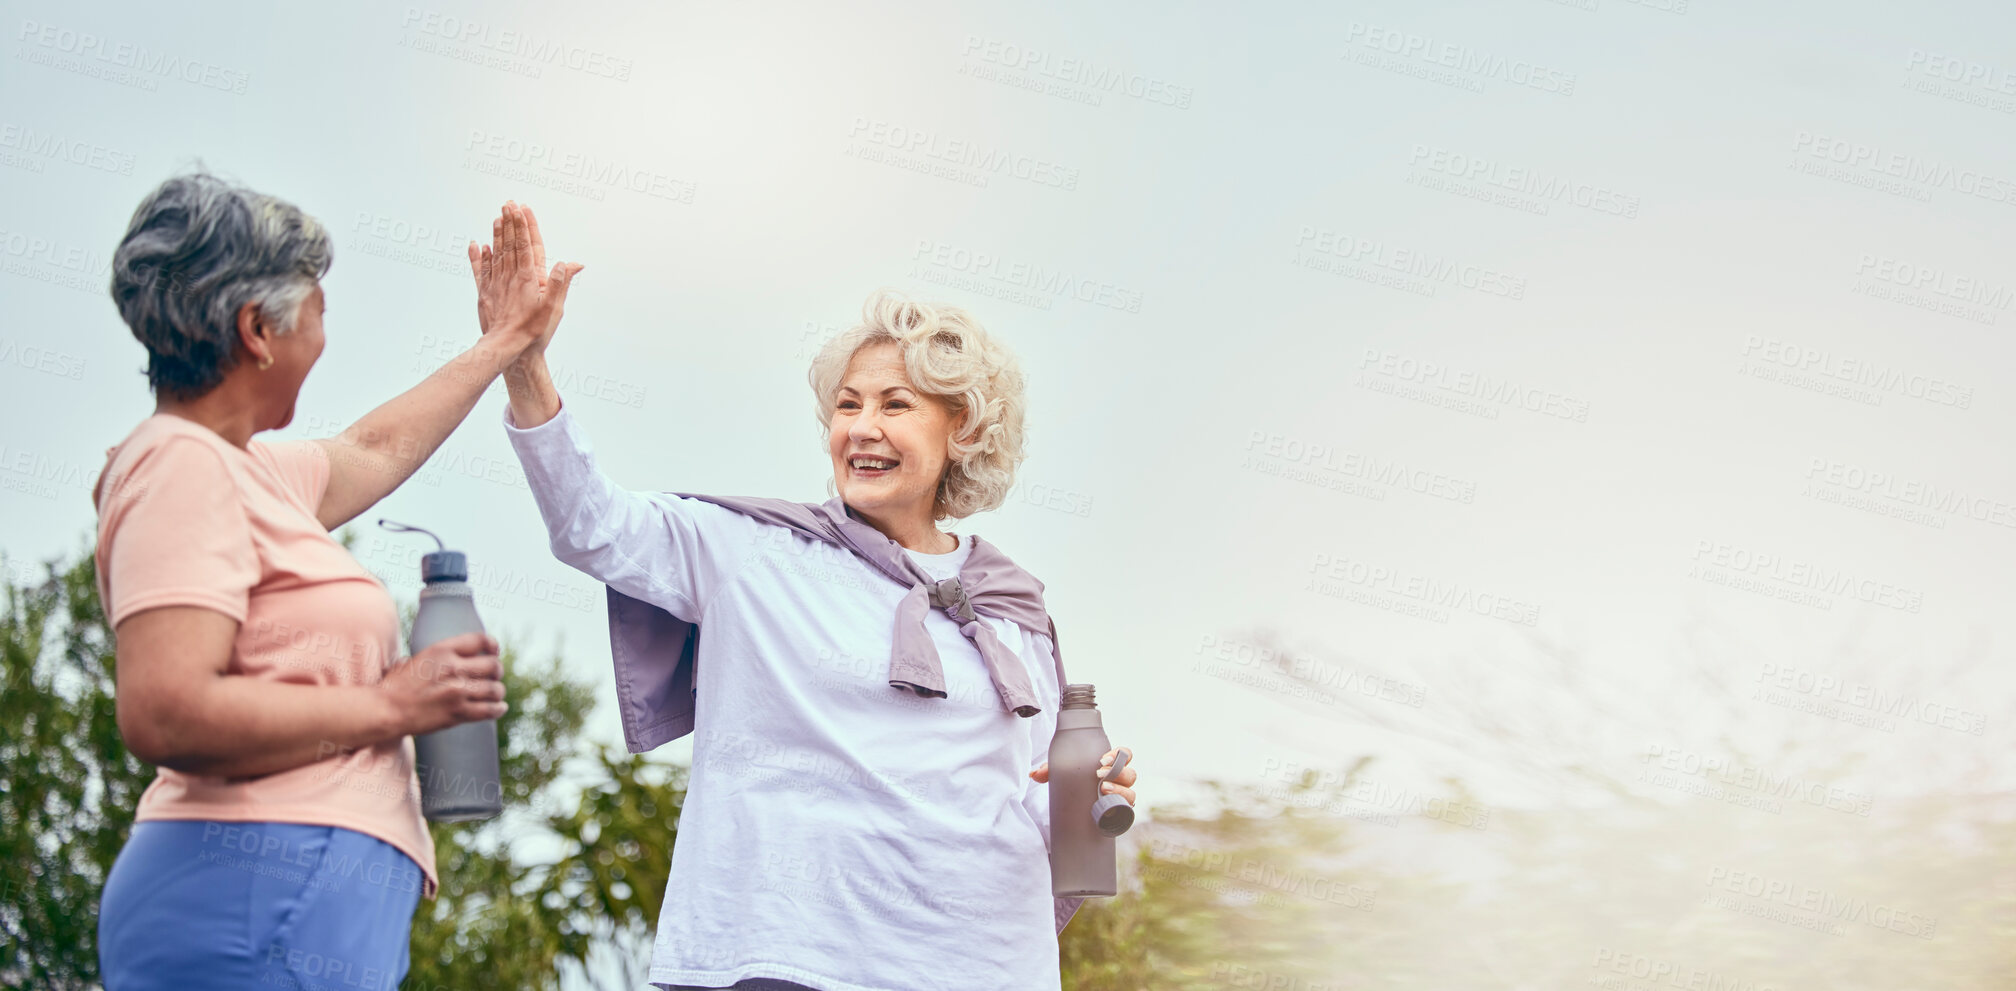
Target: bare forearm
[408,428]
[240,726]
[383,449]
[534,400]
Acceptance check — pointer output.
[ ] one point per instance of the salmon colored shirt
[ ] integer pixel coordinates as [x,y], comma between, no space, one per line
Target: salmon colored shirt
[185,518]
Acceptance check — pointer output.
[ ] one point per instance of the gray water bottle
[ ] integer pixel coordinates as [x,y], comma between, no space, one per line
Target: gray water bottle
[1083,822]
[457,766]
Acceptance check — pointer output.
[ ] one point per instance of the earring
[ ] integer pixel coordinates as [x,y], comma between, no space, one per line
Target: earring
[266,362]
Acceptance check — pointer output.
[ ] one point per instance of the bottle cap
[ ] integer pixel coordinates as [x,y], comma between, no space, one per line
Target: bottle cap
[444,566]
[1113,814]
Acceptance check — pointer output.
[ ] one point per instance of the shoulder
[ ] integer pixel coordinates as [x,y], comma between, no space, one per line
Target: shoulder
[163,453]
[288,452]
[303,466]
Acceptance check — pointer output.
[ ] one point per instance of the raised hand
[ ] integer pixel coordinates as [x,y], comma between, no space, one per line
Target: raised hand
[518,301]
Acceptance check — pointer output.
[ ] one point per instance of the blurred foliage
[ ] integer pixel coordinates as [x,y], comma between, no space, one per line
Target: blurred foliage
[1317,885]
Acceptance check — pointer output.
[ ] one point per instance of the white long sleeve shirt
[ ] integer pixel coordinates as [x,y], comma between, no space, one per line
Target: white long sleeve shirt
[838,832]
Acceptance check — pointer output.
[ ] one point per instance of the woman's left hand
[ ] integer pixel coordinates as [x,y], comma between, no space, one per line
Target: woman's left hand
[517,301]
[1117,786]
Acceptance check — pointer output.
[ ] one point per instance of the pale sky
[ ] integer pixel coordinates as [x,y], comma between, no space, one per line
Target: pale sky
[1620,235]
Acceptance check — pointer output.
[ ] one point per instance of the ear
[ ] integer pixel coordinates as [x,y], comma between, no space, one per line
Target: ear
[254,334]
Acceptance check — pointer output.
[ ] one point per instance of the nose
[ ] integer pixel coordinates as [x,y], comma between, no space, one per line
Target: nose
[867,426]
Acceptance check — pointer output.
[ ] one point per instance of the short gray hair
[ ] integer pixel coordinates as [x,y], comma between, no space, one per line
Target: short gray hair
[197,250]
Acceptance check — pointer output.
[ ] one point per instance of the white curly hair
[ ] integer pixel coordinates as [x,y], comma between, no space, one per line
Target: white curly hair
[947,354]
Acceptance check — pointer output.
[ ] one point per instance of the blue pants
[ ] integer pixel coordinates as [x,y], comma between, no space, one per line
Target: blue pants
[265,905]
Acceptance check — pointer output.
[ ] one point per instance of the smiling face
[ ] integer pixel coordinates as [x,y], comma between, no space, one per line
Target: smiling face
[878,415]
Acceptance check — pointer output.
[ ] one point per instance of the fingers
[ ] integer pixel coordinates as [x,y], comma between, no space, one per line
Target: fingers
[521,243]
[561,279]
[1126,776]
[1109,788]
[468,644]
[476,262]
[1041,774]
[538,243]
[511,247]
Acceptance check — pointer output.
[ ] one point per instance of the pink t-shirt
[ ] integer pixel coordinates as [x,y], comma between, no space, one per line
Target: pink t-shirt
[185,518]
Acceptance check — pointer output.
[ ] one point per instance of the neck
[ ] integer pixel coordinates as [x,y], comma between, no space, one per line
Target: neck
[915,533]
[222,409]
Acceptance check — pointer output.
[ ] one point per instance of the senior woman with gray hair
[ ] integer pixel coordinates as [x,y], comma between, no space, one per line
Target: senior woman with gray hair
[867,809]
[281,841]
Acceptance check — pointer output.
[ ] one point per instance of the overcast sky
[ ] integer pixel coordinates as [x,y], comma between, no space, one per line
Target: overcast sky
[1403,332]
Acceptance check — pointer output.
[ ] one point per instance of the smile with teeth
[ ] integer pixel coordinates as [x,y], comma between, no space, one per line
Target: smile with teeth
[871,466]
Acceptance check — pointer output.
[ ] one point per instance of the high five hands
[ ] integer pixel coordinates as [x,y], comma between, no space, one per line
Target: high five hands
[518,302]
[1117,786]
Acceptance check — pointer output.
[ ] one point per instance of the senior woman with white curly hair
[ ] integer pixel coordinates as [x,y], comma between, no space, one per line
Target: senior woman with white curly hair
[867,809]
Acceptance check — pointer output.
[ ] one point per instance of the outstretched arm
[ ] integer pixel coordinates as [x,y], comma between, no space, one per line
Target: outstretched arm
[518,305]
[670,551]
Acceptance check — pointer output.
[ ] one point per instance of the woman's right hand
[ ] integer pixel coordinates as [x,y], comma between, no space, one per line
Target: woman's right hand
[518,301]
[455,680]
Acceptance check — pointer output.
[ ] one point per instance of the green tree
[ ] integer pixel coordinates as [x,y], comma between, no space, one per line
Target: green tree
[68,789]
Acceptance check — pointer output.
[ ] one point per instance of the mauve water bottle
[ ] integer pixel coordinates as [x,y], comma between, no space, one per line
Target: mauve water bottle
[1082,821]
[457,766]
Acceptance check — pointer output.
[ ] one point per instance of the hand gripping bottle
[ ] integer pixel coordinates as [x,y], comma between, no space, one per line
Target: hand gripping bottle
[1082,821]
[457,766]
